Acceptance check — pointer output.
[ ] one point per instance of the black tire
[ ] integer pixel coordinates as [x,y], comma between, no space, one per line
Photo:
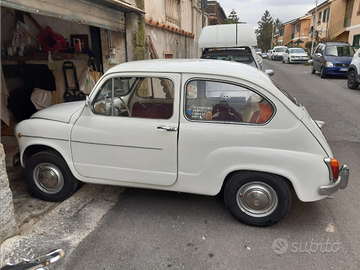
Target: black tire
[49,177]
[322,73]
[351,81]
[245,192]
[313,69]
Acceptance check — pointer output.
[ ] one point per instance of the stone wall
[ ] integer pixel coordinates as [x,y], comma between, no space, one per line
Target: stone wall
[8,223]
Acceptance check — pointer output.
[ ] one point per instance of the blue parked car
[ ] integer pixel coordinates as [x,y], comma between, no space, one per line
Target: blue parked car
[332,58]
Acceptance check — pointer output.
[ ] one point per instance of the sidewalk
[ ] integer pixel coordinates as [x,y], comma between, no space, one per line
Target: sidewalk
[45,226]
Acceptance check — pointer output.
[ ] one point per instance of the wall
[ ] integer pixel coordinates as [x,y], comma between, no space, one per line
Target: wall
[8,223]
[304,31]
[336,18]
[354,29]
[287,33]
[184,15]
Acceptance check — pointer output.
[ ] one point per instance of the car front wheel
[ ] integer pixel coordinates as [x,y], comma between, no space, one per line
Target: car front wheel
[256,198]
[322,72]
[313,69]
[352,82]
[49,177]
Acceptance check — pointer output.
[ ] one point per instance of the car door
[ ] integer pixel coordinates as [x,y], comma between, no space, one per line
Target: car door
[317,58]
[128,130]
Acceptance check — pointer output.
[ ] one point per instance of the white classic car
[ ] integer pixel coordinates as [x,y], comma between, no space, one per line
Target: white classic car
[196,126]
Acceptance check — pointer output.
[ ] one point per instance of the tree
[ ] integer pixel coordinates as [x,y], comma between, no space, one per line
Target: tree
[277,25]
[232,18]
[264,31]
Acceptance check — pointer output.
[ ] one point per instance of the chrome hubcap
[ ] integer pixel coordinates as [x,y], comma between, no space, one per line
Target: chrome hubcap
[48,178]
[257,199]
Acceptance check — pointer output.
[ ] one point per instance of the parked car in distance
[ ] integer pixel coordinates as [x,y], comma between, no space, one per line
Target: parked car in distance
[278,52]
[295,55]
[332,58]
[258,51]
[198,126]
[353,80]
[264,55]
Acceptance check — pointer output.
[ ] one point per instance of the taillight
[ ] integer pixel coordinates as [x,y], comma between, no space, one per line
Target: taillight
[335,168]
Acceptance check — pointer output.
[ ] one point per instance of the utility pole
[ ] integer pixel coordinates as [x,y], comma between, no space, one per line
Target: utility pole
[313,33]
[272,36]
[203,6]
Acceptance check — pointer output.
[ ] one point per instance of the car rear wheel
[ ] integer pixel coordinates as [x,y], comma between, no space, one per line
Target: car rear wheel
[49,177]
[352,82]
[256,198]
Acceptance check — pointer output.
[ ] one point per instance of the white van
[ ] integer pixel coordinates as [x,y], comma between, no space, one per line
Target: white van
[232,42]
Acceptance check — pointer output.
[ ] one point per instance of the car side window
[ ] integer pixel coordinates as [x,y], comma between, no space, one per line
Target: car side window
[142,97]
[213,101]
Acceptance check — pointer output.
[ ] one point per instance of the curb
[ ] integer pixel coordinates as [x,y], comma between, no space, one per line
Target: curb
[64,227]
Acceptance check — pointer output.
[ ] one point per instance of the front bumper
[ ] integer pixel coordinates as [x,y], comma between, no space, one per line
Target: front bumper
[340,183]
[336,71]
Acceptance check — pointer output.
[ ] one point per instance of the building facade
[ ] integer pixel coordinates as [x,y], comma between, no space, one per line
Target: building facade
[173,26]
[215,12]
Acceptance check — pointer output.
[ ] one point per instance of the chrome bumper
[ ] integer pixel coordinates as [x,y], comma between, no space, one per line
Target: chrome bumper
[340,183]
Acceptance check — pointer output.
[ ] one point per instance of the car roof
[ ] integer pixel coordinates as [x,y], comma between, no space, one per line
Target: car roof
[199,66]
[336,43]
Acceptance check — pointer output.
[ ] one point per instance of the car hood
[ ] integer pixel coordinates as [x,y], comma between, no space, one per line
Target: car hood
[60,112]
[339,59]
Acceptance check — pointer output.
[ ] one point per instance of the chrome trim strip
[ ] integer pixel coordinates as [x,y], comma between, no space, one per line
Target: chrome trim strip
[28,136]
[118,145]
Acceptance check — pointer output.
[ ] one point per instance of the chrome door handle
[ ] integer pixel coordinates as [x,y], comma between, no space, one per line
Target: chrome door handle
[168,128]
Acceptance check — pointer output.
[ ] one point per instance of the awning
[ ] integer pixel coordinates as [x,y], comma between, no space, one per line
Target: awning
[108,14]
[298,41]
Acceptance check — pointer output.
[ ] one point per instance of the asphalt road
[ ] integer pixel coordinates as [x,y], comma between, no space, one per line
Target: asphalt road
[150,229]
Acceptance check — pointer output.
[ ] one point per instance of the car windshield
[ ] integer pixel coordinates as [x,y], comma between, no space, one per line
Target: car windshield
[297,50]
[280,49]
[339,51]
[292,99]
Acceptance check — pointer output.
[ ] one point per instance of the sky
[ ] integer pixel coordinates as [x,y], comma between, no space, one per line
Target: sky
[250,11]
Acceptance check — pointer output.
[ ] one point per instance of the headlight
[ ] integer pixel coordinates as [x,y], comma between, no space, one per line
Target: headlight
[329,64]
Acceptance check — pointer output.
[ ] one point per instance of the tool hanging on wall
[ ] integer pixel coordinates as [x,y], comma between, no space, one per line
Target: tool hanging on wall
[74,93]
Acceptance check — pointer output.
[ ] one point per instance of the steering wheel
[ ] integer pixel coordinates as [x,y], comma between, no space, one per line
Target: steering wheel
[125,105]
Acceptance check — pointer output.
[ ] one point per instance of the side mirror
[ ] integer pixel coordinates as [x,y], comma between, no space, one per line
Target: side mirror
[269,72]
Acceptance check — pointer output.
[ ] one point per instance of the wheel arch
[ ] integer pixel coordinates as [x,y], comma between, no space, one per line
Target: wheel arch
[353,67]
[229,175]
[34,149]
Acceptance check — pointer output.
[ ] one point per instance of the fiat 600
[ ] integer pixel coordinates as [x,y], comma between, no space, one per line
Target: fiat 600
[196,126]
